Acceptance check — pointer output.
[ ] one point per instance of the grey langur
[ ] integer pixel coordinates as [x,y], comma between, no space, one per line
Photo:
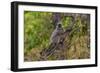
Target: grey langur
[54,40]
[56,34]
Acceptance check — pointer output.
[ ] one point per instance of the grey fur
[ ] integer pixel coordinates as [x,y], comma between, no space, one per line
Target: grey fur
[56,34]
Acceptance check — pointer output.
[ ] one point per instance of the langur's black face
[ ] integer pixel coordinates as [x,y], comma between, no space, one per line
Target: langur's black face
[59,26]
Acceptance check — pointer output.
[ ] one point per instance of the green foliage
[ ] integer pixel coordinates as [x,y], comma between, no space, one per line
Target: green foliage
[66,21]
[36,28]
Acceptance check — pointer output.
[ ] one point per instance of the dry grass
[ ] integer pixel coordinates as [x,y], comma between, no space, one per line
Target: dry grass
[78,50]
